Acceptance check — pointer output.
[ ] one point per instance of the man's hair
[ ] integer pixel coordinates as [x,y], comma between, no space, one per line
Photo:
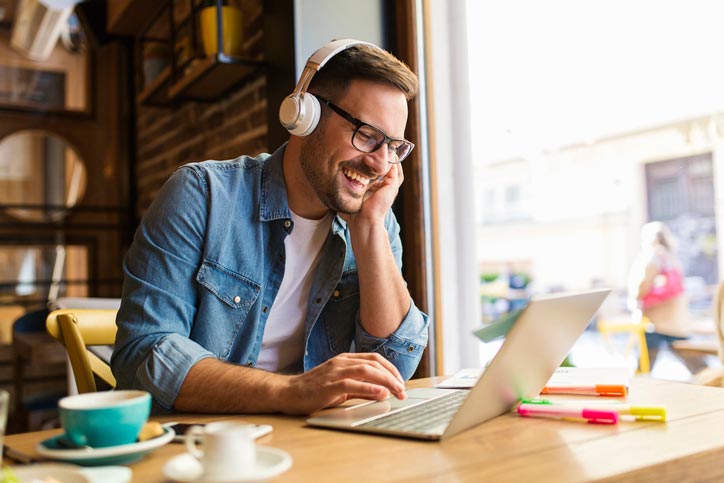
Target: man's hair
[363,62]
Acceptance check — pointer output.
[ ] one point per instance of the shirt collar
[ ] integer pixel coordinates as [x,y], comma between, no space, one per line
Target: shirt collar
[338,224]
[274,204]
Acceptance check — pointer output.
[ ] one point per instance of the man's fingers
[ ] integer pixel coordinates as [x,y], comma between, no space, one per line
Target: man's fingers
[354,389]
[373,356]
[371,368]
[373,373]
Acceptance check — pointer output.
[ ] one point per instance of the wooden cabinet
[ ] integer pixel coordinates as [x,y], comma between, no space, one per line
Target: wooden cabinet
[179,52]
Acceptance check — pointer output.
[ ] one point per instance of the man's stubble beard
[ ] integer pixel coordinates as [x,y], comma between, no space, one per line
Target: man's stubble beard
[315,161]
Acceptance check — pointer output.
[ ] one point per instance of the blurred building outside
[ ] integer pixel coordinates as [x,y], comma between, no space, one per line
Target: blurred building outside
[569,218]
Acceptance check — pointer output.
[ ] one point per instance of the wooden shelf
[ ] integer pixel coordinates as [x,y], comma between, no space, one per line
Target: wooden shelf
[192,76]
[129,17]
[208,78]
[157,92]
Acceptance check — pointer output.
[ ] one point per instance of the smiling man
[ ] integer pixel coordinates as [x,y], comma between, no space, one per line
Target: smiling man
[273,283]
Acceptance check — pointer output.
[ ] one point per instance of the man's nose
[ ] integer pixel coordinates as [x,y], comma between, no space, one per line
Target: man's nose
[379,160]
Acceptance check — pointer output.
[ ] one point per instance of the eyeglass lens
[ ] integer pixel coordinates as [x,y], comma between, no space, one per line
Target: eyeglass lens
[368,139]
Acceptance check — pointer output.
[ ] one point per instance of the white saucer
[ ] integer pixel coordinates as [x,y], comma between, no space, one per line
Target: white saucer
[112,455]
[270,462]
[39,472]
[68,473]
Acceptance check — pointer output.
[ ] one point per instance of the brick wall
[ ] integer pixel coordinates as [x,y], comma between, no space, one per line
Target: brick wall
[194,131]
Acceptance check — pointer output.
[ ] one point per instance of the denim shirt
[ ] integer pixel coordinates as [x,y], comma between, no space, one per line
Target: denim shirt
[204,269]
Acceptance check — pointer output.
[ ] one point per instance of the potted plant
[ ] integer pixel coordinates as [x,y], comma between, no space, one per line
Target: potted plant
[231,28]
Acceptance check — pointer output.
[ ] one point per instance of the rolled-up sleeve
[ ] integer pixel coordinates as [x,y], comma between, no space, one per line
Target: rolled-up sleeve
[153,351]
[404,347]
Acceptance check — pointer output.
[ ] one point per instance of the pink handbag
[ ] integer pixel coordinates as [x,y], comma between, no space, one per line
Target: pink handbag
[667,284]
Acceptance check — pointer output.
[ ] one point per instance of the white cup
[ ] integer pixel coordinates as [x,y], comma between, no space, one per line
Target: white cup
[228,449]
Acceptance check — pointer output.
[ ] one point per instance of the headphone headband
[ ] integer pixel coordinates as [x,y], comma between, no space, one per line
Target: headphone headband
[299,112]
[326,52]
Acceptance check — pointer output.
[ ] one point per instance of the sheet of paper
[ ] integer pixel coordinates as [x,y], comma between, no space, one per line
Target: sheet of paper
[578,376]
[463,379]
[563,376]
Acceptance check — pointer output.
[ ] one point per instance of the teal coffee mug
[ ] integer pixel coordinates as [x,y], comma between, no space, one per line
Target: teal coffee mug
[102,419]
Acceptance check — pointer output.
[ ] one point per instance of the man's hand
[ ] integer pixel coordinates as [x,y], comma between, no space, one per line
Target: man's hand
[346,376]
[379,196]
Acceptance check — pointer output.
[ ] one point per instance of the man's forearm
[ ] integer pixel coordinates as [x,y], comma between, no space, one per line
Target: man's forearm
[384,298]
[213,386]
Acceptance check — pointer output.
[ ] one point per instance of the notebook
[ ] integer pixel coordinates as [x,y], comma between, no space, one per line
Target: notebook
[534,347]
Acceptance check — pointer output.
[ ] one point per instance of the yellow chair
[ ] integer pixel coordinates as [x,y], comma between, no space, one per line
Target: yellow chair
[78,328]
[636,328]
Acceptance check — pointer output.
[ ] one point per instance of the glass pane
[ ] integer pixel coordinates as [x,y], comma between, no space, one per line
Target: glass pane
[44,61]
[40,169]
[38,272]
[581,136]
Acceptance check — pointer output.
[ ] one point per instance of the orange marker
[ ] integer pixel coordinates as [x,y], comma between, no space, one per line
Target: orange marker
[593,390]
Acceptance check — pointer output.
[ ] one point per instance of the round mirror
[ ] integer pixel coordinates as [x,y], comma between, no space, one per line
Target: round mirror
[41,175]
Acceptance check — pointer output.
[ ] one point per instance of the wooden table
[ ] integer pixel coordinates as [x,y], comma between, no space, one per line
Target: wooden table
[689,447]
[697,346]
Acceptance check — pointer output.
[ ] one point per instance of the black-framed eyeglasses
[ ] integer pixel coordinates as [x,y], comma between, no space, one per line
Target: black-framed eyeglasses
[368,139]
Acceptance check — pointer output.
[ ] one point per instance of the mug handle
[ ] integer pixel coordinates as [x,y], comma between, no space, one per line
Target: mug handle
[194,434]
[76,439]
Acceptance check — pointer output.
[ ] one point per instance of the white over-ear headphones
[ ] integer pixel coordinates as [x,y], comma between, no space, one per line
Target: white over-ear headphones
[299,112]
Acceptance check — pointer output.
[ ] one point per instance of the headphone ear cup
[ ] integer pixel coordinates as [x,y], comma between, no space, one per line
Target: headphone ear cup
[289,112]
[311,111]
[300,114]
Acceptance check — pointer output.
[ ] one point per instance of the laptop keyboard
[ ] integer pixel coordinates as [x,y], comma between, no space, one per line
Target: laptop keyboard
[422,418]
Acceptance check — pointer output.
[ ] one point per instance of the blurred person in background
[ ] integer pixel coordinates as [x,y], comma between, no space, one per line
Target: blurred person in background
[656,290]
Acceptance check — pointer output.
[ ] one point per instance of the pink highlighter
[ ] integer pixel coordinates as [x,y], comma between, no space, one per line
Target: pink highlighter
[567,413]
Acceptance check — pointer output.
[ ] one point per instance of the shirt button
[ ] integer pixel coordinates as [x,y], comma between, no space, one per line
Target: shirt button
[287,224]
[265,309]
[336,293]
[237,299]
[249,364]
[318,300]
[410,349]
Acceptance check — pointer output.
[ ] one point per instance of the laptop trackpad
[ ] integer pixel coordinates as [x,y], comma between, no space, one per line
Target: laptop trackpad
[346,416]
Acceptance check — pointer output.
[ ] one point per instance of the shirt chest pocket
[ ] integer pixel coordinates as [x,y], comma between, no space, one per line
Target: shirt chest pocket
[231,288]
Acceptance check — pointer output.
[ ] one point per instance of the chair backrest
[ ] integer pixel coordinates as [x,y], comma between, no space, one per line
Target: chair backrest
[77,329]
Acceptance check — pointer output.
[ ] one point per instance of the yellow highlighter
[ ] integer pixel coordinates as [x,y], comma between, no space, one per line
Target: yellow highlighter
[639,413]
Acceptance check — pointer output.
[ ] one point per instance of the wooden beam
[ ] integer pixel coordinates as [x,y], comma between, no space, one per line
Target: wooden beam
[410,205]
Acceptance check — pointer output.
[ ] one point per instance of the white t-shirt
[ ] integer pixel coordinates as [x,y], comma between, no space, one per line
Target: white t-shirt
[282,346]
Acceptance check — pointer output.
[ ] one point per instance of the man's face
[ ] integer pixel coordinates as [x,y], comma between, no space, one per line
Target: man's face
[335,170]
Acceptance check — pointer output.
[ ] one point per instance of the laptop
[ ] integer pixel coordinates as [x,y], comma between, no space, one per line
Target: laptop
[534,347]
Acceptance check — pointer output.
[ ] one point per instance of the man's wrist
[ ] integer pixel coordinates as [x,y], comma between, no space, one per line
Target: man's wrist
[367,229]
[280,391]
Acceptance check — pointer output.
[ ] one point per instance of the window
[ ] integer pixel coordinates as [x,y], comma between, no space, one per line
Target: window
[572,106]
